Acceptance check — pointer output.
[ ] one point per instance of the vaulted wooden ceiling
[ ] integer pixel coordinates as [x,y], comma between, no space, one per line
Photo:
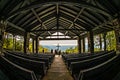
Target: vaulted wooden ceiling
[70,17]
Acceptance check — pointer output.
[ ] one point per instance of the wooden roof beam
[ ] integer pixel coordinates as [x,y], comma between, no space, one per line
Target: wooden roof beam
[36,15]
[88,20]
[76,18]
[72,22]
[59,35]
[58,39]
[67,9]
[39,19]
[49,20]
[56,30]
[78,3]
[17,27]
[57,15]
[103,25]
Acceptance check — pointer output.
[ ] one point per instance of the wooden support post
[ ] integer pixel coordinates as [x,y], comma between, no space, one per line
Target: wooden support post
[117,34]
[1,39]
[90,42]
[33,45]
[100,42]
[79,44]
[14,42]
[104,37]
[7,40]
[26,42]
[37,45]
[83,44]
[2,30]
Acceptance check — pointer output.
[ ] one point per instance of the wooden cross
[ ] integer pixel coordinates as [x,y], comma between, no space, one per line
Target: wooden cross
[58,46]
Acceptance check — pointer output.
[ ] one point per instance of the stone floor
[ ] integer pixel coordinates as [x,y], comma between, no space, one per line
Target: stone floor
[58,70]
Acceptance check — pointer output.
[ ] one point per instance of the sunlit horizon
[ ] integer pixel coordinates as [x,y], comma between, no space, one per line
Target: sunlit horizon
[60,42]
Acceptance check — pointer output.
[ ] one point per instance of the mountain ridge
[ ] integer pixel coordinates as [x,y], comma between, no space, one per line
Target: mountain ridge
[62,48]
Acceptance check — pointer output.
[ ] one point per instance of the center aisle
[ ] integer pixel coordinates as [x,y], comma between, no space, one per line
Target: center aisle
[58,70]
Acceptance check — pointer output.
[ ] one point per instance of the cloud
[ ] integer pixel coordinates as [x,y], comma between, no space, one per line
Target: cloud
[60,42]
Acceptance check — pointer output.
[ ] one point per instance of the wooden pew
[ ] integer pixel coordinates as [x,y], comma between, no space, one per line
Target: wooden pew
[46,60]
[75,67]
[48,56]
[15,72]
[117,77]
[36,66]
[68,56]
[43,56]
[105,71]
[3,76]
[85,55]
[69,61]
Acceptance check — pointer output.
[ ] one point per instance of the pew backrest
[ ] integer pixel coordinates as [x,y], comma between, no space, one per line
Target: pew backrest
[97,70]
[3,76]
[15,72]
[36,66]
[75,67]
[46,60]
[89,57]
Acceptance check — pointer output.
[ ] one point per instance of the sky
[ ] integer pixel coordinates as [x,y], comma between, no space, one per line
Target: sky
[60,42]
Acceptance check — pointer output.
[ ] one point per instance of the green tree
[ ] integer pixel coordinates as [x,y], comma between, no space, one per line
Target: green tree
[41,48]
[18,46]
[111,40]
[72,50]
[76,49]
[8,43]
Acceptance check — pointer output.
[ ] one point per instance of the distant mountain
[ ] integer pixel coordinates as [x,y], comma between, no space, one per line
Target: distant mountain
[62,48]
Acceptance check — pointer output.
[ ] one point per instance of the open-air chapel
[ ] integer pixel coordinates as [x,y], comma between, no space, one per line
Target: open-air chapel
[92,22]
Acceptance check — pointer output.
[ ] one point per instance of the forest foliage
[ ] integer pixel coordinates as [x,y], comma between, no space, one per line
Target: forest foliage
[16,43]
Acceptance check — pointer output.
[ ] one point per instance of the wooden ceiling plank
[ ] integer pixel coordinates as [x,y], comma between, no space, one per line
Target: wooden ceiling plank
[39,19]
[15,26]
[76,18]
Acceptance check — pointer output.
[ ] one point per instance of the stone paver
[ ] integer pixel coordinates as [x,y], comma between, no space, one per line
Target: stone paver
[58,70]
